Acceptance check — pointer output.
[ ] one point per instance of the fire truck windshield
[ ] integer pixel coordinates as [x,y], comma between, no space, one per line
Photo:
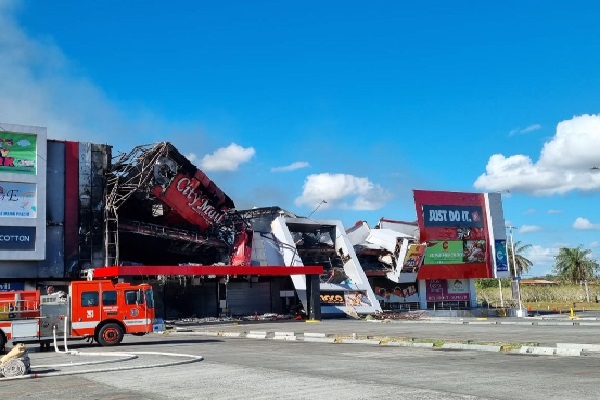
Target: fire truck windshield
[149,298]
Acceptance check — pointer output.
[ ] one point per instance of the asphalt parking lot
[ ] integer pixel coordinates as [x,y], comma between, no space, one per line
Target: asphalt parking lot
[210,361]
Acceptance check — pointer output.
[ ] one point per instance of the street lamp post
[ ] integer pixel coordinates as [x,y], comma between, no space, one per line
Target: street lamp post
[516,277]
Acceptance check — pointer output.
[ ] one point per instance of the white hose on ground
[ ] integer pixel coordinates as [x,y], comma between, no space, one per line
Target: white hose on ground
[189,359]
[125,356]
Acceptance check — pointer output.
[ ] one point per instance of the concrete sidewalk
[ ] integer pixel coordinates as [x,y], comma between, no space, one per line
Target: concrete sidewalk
[536,336]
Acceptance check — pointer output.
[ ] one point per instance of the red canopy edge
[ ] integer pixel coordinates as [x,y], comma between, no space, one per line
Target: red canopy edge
[218,270]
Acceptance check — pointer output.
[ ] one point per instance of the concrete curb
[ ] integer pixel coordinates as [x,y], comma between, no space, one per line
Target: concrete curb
[410,344]
[540,351]
[319,339]
[479,347]
[562,349]
[256,335]
[587,347]
[360,341]
[284,336]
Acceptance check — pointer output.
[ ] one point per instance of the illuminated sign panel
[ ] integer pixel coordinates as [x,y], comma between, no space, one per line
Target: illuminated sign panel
[17,238]
[18,200]
[18,152]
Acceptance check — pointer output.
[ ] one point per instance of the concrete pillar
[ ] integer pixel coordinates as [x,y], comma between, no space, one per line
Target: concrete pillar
[472,293]
[313,297]
[422,294]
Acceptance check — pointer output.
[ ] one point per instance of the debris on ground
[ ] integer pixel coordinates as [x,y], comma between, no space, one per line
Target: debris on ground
[398,315]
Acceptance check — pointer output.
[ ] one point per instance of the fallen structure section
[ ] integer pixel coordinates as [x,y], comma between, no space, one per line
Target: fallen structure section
[344,286]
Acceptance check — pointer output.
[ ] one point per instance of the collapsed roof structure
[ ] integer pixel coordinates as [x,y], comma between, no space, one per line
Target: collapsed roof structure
[161,209]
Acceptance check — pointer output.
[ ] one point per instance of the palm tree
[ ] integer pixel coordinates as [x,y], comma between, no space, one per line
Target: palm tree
[521,262]
[574,264]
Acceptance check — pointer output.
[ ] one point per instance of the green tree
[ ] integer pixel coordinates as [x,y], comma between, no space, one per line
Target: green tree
[575,264]
[522,263]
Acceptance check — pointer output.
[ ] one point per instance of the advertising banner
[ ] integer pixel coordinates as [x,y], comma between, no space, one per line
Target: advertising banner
[18,152]
[501,256]
[444,252]
[356,299]
[455,216]
[413,258]
[447,290]
[18,200]
[390,293]
[14,238]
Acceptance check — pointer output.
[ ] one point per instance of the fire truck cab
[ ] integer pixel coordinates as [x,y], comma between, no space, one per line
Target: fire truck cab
[101,310]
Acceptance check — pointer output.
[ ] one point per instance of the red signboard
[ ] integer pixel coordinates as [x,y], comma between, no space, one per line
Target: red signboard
[186,196]
[454,216]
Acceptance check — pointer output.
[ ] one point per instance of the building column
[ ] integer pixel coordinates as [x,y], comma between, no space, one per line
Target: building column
[422,294]
[313,297]
[472,293]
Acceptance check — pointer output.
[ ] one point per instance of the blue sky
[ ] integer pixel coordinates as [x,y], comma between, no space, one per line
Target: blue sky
[290,103]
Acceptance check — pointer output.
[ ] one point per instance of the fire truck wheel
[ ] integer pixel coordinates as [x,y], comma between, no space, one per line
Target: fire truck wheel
[2,342]
[110,335]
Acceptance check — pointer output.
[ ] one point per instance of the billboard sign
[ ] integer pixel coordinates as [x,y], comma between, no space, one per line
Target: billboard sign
[18,152]
[18,200]
[455,227]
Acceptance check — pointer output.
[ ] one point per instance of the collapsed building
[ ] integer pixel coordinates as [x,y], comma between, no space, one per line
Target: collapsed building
[70,210]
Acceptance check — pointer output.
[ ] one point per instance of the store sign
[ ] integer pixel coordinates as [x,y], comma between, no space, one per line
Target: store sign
[332,299]
[11,286]
[18,152]
[185,195]
[13,238]
[447,290]
[18,200]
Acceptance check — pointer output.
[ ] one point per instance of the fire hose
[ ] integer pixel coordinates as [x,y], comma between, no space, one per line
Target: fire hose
[183,359]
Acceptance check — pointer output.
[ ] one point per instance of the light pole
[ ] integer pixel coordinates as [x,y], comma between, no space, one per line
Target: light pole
[516,277]
[318,205]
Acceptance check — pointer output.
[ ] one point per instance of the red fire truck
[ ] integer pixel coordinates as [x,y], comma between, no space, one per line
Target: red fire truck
[97,309]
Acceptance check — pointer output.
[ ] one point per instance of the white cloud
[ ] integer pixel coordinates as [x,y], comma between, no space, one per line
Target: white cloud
[595,243]
[584,224]
[529,228]
[227,158]
[542,258]
[529,211]
[528,129]
[192,157]
[563,166]
[555,211]
[291,167]
[342,191]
